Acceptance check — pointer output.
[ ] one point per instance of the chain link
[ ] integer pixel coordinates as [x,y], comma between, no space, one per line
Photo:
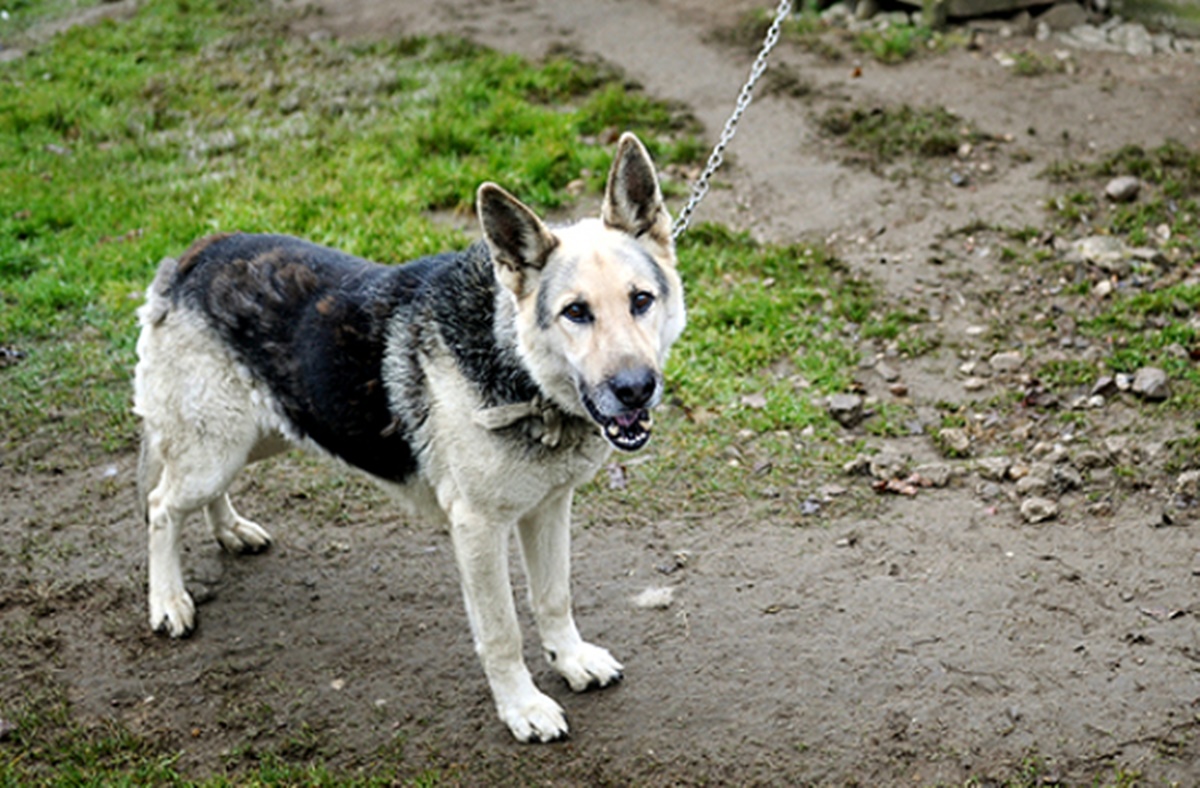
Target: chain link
[717,157]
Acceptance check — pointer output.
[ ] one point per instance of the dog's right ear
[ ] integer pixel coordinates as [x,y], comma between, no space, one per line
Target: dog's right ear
[520,243]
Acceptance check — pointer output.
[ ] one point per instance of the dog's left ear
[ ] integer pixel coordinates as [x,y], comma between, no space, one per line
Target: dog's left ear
[519,241]
[633,202]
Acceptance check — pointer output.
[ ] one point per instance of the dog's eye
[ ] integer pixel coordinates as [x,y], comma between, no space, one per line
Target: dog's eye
[577,312]
[641,302]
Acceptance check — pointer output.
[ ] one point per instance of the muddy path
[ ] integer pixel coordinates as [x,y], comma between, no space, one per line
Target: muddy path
[909,640]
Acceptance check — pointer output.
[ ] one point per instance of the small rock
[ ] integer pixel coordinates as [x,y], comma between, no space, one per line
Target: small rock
[1030,484]
[1123,381]
[1133,38]
[1090,458]
[887,372]
[974,383]
[1123,189]
[846,409]
[1188,484]
[831,490]
[1104,251]
[1063,16]
[1105,385]
[938,474]
[990,491]
[1018,471]
[888,465]
[1067,478]
[1150,383]
[859,466]
[1103,289]
[955,439]
[1036,510]
[993,468]
[898,390]
[655,598]
[1007,361]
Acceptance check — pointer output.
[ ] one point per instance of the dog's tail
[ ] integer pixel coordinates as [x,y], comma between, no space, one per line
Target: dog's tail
[158,300]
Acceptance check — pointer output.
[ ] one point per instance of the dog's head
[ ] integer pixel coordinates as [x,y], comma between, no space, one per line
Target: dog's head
[597,303]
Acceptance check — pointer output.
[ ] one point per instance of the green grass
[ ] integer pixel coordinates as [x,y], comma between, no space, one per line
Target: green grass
[123,142]
[752,306]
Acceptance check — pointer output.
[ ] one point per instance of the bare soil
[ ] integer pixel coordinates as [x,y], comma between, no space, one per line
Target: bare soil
[910,640]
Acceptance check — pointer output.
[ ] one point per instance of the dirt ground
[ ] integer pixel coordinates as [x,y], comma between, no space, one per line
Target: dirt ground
[909,641]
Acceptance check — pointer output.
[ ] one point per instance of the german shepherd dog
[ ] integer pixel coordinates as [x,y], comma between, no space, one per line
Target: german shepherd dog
[481,386]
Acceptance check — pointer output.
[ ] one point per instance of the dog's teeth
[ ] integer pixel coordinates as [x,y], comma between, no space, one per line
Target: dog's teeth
[613,430]
[645,424]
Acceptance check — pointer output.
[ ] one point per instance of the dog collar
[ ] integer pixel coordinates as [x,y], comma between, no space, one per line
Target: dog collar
[498,417]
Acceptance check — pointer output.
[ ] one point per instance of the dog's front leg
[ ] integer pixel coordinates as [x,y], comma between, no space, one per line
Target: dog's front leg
[481,550]
[546,547]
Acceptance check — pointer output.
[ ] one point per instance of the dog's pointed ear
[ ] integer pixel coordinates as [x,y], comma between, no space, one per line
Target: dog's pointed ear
[520,243]
[633,201]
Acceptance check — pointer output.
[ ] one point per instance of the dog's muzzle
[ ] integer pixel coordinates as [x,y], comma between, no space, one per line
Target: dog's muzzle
[621,406]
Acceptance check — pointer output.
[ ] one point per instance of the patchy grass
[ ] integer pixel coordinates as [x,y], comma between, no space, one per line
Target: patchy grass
[1151,318]
[891,132]
[1167,212]
[767,321]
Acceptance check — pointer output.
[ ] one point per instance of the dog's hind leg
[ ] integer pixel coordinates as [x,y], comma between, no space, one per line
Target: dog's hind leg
[172,610]
[546,547]
[235,533]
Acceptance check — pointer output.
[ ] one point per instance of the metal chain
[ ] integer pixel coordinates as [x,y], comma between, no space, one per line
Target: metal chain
[717,157]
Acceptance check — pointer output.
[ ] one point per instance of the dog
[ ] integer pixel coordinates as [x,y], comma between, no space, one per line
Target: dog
[481,386]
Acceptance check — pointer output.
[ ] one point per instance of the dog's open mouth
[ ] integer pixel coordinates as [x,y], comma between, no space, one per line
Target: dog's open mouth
[626,431]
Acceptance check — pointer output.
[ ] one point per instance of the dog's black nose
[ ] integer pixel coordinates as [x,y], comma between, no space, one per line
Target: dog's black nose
[634,387]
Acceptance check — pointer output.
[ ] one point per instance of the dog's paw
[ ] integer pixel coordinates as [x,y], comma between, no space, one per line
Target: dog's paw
[173,614]
[246,536]
[535,718]
[586,667]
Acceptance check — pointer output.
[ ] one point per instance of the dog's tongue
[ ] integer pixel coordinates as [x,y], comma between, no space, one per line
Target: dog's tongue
[627,420]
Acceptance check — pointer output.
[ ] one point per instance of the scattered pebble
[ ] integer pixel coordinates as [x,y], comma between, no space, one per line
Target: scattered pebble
[1123,189]
[956,439]
[655,598]
[846,409]
[1031,485]
[1006,361]
[993,468]
[1150,383]
[1188,484]
[1036,510]
[938,474]
[887,372]
[888,465]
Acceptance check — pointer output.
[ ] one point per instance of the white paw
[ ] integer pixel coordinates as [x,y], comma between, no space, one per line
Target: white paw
[535,718]
[173,614]
[586,666]
[245,536]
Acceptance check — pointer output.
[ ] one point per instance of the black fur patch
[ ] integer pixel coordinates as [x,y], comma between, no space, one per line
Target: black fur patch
[312,324]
